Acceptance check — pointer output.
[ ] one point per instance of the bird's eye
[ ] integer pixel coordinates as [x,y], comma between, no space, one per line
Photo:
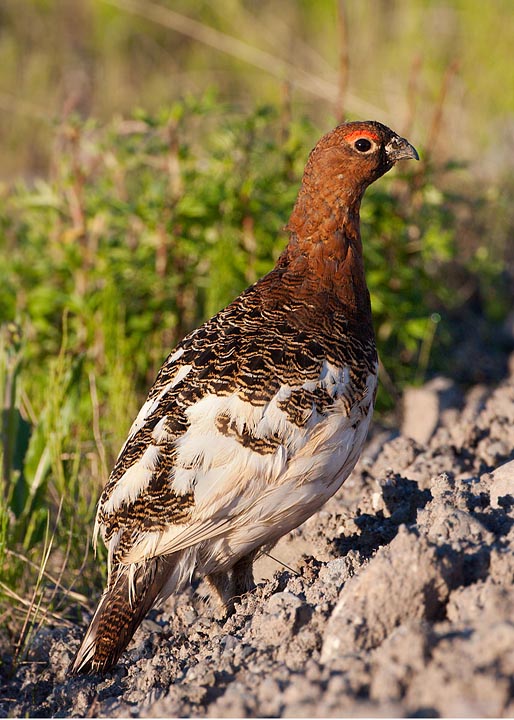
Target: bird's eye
[362,145]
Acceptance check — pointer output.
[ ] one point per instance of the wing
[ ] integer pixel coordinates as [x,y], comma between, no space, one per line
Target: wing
[230,406]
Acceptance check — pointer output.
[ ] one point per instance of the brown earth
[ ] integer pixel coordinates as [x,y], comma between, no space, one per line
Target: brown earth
[398,600]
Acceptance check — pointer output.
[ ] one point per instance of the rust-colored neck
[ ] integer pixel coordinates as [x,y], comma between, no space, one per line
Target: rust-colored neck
[325,244]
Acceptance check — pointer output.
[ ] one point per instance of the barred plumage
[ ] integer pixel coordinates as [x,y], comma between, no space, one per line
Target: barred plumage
[257,417]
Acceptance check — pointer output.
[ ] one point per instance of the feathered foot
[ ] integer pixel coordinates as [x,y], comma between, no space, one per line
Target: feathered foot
[229,586]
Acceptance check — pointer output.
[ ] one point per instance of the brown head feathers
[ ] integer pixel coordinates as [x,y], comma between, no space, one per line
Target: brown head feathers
[339,169]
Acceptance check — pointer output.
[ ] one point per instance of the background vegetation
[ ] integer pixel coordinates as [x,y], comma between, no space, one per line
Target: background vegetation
[151,154]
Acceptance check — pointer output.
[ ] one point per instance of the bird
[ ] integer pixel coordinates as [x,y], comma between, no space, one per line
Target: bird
[257,417]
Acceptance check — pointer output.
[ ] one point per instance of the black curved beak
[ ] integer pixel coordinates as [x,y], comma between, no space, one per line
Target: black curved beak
[400,149]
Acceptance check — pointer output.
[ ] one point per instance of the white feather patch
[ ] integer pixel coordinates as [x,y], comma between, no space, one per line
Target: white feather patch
[176,356]
[113,544]
[175,538]
[182,574]
[202,415]
[312,476]
[183,480]
[159,433]
[244,499]
[207,460]
[134,481]
[218,461]
[151,404]
[334,379]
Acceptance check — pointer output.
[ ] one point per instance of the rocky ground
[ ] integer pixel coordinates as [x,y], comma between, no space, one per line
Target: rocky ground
[398,599]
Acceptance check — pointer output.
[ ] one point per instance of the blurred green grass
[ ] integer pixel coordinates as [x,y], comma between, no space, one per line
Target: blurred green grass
[122,230]
[102,57]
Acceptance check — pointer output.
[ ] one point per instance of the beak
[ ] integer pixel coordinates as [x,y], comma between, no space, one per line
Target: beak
[399,149]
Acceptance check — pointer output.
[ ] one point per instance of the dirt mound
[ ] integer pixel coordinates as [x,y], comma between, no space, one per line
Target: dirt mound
[399,599]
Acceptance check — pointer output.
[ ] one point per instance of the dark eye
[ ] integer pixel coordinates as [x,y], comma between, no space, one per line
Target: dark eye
[362,145]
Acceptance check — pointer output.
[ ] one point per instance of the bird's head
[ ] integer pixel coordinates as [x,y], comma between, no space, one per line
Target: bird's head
[339,169]
[355,154]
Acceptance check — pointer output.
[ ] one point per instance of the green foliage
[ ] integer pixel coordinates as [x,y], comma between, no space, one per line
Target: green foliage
[147,227]
[408,233]
[102,58]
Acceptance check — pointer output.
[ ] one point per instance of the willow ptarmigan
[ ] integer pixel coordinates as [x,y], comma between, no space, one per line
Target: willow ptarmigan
[257,417]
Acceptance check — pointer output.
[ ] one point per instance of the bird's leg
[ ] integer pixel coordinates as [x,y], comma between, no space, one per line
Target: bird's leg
[220,583]
[232,584]
[242,575]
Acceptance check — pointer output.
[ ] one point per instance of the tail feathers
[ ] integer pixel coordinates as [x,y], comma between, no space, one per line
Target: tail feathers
[120,611]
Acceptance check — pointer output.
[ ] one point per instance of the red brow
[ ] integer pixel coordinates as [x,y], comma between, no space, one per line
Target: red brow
[362,133]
